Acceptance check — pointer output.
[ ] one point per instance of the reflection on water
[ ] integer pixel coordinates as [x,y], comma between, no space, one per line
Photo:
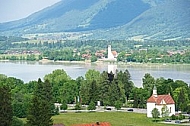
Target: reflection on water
[28,71]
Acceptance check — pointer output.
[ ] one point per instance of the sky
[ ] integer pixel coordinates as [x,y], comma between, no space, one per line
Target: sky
[17,9]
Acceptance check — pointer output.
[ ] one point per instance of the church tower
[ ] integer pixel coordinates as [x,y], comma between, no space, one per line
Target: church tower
[154,92]
[110,55]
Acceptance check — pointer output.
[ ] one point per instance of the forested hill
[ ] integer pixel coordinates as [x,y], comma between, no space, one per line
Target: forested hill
[109,19]
[166,21]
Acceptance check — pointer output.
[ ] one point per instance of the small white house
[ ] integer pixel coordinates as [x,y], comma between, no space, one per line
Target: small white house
[160,102]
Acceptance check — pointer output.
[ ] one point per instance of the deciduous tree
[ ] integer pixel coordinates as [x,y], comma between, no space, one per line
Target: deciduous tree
[148,83]
[155,113]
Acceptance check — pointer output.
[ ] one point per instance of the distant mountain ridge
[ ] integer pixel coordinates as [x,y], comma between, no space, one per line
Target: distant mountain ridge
[109,19]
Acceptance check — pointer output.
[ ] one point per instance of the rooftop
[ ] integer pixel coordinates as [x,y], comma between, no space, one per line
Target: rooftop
[161,99]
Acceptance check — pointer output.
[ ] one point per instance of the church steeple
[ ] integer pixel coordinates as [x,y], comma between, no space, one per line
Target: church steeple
[154,92]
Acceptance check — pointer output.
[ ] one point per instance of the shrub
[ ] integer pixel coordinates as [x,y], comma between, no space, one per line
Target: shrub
[181,117]
[92,106]
[17,122]
[64,106]
[173,117]
[78,106]
[118,105]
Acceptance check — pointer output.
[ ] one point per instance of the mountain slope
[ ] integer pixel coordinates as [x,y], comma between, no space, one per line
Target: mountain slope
[118,12]
[168,21]
[109,19]
[48,14]
[78,15]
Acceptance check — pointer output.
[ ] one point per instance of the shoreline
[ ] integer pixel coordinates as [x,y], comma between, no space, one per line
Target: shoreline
[75,69]
[45,61]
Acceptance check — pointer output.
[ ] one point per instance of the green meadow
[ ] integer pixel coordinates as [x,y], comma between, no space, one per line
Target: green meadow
[114,118]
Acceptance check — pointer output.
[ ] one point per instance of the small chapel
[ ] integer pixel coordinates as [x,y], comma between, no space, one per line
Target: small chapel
[160,101]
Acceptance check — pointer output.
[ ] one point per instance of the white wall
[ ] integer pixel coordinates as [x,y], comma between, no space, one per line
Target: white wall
[112,68]
[172,106]
[159,107]
[172,109]
[110,55]
[150,107]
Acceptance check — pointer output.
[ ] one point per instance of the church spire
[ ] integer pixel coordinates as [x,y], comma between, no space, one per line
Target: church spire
[154,93]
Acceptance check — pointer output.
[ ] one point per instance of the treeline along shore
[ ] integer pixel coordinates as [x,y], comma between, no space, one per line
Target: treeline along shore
[155,51]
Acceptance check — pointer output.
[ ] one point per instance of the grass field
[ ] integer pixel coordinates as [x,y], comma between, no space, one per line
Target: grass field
[114,118]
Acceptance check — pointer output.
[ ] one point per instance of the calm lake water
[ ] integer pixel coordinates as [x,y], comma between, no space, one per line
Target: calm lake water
[28,71]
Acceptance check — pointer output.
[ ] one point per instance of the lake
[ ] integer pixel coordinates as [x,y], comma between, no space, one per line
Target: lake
[28,71]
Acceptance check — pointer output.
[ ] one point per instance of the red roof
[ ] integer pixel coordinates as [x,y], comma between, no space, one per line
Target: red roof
[95,124]
[114,53]
[167,99]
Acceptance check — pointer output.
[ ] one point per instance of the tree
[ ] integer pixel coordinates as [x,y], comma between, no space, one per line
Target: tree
[40,111]
[64,105]
[69,91]
[93,91]
[155,113]
[114,93]
[89,87]
[121,56]
[165,111]
[125,79]
[91,106]
[49,101]
[139,95]
[93,58]
[181,98]
[104,88]
[17,122]
[79,81]
[57,79]
[148,83]
[118,105]
[6,113]
[19,109]
[163,86]
[78,106]
[84,92]
[92,75]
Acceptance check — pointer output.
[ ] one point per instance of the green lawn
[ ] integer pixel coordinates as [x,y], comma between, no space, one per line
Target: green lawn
[115,118]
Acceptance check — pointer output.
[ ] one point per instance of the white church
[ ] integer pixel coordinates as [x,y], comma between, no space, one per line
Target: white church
[112,55]
[160,101]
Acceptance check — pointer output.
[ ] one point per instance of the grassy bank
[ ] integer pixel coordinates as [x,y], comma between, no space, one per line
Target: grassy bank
[114,118]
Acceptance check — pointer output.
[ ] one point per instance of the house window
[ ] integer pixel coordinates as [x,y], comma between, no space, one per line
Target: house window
[170,109]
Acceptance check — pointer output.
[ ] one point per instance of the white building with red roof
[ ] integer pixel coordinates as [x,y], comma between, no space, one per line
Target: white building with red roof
[159,102]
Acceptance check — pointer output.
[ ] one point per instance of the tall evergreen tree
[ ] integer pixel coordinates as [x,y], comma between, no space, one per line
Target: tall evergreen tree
[6,113]
[104,88]
[93,91]
[114,93]
[125,79]
[40,111]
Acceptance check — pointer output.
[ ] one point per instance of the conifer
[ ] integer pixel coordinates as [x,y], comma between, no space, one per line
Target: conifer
[40,111]
[6,113]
